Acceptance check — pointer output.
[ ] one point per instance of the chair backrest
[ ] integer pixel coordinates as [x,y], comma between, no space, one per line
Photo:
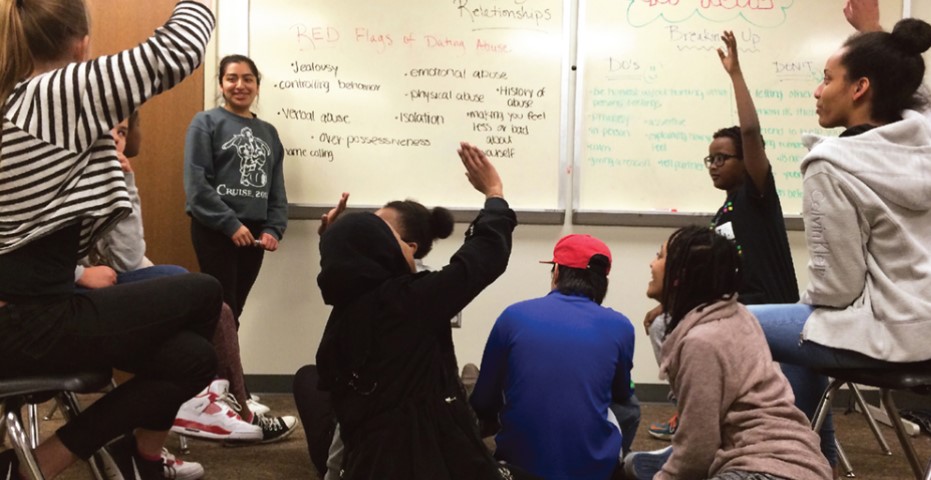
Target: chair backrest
[82,382]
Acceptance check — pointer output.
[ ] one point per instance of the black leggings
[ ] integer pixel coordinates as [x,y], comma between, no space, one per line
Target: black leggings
[317,416]
[235,267]
[159,329]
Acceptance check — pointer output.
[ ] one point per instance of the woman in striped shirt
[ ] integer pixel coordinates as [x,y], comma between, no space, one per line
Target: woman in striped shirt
[61,187]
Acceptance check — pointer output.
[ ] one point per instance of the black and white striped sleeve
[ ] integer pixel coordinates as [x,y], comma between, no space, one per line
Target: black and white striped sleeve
[78,104]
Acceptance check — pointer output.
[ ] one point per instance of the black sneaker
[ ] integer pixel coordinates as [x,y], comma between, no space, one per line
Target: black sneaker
[920,417]
[9,465]
[273,428]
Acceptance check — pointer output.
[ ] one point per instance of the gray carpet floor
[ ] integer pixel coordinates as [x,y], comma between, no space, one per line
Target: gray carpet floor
[288,459]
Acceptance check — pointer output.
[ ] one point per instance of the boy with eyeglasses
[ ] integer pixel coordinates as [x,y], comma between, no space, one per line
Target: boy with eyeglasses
[751,215]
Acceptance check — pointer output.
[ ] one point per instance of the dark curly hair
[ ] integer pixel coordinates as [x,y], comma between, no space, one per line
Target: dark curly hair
[702,267]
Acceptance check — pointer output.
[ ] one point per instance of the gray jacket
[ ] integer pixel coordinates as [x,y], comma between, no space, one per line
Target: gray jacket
[867,212]
[123,247]
[233,173]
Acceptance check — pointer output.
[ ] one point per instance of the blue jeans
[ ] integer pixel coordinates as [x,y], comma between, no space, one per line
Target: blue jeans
[148,273]
[782,325]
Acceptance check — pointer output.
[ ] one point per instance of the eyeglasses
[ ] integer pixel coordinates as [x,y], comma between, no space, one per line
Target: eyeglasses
[718,159]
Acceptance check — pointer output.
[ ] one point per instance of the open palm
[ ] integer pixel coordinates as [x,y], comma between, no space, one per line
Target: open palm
[729,60]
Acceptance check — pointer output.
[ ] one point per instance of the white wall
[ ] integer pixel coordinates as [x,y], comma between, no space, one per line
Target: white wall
[285,315]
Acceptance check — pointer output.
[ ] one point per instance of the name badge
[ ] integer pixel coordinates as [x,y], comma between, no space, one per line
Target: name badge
[725,230]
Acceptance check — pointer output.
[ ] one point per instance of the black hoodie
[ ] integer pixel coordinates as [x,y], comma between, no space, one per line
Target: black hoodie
[387,355]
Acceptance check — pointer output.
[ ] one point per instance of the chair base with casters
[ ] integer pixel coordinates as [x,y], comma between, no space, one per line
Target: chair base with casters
[914,377]
[17,392]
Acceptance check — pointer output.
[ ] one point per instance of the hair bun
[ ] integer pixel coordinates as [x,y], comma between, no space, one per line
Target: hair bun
[912,35]
[441,222]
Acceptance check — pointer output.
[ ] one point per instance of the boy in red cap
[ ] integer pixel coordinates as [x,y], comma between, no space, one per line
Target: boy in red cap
[556,373]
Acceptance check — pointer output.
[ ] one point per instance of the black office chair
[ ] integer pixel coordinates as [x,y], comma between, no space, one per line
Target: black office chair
[16,392]
[915,377]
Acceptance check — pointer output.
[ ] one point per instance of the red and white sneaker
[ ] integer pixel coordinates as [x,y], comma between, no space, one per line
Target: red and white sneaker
[176,469]
[211,415]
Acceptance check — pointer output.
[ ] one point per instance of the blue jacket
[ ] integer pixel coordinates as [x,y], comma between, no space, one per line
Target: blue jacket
[551,368]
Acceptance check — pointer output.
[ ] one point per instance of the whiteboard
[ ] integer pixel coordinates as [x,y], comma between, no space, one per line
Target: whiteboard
[652,91]
[374,97]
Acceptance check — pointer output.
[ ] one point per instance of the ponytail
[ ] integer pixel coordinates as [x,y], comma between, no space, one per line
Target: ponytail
[32,30]
[893,64]
[14,50]
[420,225]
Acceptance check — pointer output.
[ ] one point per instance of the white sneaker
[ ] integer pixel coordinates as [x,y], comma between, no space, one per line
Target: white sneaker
[643,465]
[177,469]
[256,407]
[211,415]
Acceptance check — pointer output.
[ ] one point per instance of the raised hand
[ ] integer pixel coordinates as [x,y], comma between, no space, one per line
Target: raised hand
[863,15]
[480,172]
[328,218]
[729,60]
[754,155]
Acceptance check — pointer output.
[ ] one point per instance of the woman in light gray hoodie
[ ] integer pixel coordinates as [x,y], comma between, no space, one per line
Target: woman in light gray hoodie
[867,212]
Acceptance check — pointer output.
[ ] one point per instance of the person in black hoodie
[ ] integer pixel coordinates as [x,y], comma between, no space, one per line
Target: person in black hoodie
[387,356]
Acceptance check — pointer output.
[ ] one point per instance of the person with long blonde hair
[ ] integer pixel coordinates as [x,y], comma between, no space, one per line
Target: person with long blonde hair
[61,188]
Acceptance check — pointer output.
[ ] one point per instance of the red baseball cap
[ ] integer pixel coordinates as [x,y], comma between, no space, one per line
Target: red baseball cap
[576,251]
